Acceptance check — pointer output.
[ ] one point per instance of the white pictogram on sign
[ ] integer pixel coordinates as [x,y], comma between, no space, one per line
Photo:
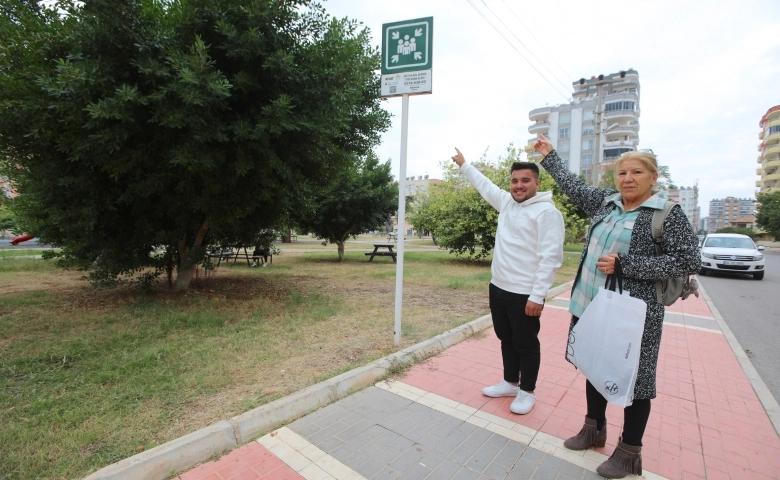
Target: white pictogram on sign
[406,45]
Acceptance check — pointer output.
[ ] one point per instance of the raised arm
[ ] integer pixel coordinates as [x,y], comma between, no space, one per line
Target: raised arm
[588,198]
[489,191]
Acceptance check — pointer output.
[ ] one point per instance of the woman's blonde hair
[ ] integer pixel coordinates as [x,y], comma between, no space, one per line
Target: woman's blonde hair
[648,159]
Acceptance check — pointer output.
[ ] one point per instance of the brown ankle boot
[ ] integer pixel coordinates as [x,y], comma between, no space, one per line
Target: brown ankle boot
[625,460]
[588,436]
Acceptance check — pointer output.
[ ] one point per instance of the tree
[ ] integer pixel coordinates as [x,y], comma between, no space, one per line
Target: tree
[740,230]
[138,132]
[359,202]
[768,216]
[465,224]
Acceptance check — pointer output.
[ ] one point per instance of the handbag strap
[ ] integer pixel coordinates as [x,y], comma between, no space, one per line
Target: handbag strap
[615,280]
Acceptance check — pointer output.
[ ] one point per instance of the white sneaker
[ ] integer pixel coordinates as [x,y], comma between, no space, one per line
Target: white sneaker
[523,403]
[264,265]
[503,389]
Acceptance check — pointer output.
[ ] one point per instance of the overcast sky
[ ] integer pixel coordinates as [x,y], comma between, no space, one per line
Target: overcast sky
[708,72]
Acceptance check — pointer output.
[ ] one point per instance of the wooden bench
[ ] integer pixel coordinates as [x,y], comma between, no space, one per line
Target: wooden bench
[382,253]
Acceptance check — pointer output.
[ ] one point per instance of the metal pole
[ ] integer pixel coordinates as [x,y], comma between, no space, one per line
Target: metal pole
[597,151]
[399,267]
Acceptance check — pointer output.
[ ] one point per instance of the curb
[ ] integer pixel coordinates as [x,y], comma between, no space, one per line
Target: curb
[197,447]
[762,392]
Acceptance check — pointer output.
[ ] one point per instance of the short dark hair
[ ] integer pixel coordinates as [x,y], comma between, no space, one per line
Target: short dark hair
[526,166]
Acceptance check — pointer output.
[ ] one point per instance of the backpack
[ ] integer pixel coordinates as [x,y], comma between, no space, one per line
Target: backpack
[669,290]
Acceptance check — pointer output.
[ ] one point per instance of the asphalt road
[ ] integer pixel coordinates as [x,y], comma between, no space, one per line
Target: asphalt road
[750,308]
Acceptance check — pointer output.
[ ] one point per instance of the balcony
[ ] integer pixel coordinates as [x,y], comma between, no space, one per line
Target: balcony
[614,97]
[772,138]
[760,158]
[615,114]
[759,171]
[622,130]
[758,183]
[772,163]
[761,135]
[772,149]
[540,113]
[618,143]
[770,178]
[539,127]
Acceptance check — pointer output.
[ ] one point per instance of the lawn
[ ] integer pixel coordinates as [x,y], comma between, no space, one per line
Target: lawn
[89,377]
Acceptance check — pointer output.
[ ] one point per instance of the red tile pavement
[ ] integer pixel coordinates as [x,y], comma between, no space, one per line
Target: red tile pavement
[250,462]
[706,421]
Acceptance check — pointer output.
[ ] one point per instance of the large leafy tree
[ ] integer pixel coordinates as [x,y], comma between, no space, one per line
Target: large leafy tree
[139,131]
[768,216]
[360,201]
[464,223]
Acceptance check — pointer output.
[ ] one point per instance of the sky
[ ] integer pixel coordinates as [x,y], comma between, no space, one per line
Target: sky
[708,71]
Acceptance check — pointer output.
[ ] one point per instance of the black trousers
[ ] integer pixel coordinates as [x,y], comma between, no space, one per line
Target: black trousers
[634,417]
[519,335]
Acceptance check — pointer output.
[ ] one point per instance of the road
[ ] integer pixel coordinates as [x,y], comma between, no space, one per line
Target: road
[750,308]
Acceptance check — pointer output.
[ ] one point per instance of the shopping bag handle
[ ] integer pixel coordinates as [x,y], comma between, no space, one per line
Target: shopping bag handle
[615,279]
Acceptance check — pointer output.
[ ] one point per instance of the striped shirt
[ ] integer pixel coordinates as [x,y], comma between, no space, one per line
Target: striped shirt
[611,235]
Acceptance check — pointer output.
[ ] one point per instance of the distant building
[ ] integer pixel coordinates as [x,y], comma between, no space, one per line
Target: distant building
[572,129]
[688,198]
[415,186]
[731,212]
[769,151]
[6,188]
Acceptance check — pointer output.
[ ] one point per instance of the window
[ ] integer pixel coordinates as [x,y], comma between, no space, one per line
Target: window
[565,160]
[587,159]
[585,172]
[611,107]
[563,132]
[587,130]
[587,115]
[563,147]
[774,129]
[615,152]
[587,145]
[564,118]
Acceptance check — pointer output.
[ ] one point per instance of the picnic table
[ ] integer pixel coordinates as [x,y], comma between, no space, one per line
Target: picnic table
[377,252]
[392,236]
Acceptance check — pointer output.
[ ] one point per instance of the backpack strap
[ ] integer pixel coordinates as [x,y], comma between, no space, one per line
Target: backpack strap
[659,216]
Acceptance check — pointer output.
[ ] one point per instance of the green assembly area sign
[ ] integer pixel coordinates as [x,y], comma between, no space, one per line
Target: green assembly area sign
[407,45]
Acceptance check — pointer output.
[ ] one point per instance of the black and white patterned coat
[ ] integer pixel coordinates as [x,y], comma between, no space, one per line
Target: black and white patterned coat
[641,266]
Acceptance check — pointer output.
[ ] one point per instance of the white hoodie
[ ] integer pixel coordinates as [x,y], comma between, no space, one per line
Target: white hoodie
[529,238]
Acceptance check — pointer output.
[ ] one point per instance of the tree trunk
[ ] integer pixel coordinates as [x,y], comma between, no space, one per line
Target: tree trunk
[287,236]
[341,250]
[186,266]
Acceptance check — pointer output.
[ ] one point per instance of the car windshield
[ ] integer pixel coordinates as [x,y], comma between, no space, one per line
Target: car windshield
[730,242]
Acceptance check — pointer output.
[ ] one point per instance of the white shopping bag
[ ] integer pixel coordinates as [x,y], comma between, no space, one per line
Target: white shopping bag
[605,343]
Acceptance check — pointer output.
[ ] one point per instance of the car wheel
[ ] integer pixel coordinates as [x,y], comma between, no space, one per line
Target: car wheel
[758,275]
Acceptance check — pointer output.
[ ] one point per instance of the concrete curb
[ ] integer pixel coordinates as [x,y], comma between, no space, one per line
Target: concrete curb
[185,452]
[762,392]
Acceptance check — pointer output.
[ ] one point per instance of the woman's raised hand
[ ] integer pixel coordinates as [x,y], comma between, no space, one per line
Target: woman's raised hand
[543,145]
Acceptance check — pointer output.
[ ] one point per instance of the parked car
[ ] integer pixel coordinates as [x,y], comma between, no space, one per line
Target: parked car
[732,253]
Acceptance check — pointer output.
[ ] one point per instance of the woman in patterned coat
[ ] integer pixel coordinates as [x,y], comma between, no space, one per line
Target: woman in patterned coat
[621,228]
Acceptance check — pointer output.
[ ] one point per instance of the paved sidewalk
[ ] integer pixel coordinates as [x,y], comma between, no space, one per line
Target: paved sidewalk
[706,423]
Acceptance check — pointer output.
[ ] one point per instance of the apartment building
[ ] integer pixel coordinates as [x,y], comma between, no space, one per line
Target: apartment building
[731,212]
[414,186]
[600,123]
[769,151]
[688,198]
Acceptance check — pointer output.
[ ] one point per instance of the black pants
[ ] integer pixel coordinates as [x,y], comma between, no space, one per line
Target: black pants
[634,417]
[519,335]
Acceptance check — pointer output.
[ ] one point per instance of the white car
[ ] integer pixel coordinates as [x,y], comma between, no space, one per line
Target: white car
[733,253]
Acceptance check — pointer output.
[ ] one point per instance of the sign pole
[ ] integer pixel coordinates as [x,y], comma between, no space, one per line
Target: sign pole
[399,267]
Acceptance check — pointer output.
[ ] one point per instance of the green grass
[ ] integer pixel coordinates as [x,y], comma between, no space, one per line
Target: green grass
[88,376]
[21,252]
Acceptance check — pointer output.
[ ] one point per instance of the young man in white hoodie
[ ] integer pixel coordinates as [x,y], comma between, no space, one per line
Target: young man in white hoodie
[528,251]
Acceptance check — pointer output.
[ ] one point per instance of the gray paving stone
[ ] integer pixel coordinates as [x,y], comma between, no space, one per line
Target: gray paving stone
[533,455]
[432,460]
[356,429]
[330,444]
[386,473]
[416,472]
[477,438]
[496,471]
[445,471]
[571,470]
[497,440]
[408,457]
[430,441]
[523,470]
[509,455]
[328,432]
[451,442]
[466,428]
[466,474]
[548,468]
[355,460]
[400,443]
[482,458]
[591,476]
[461,455]
[371,467]
[420,430]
